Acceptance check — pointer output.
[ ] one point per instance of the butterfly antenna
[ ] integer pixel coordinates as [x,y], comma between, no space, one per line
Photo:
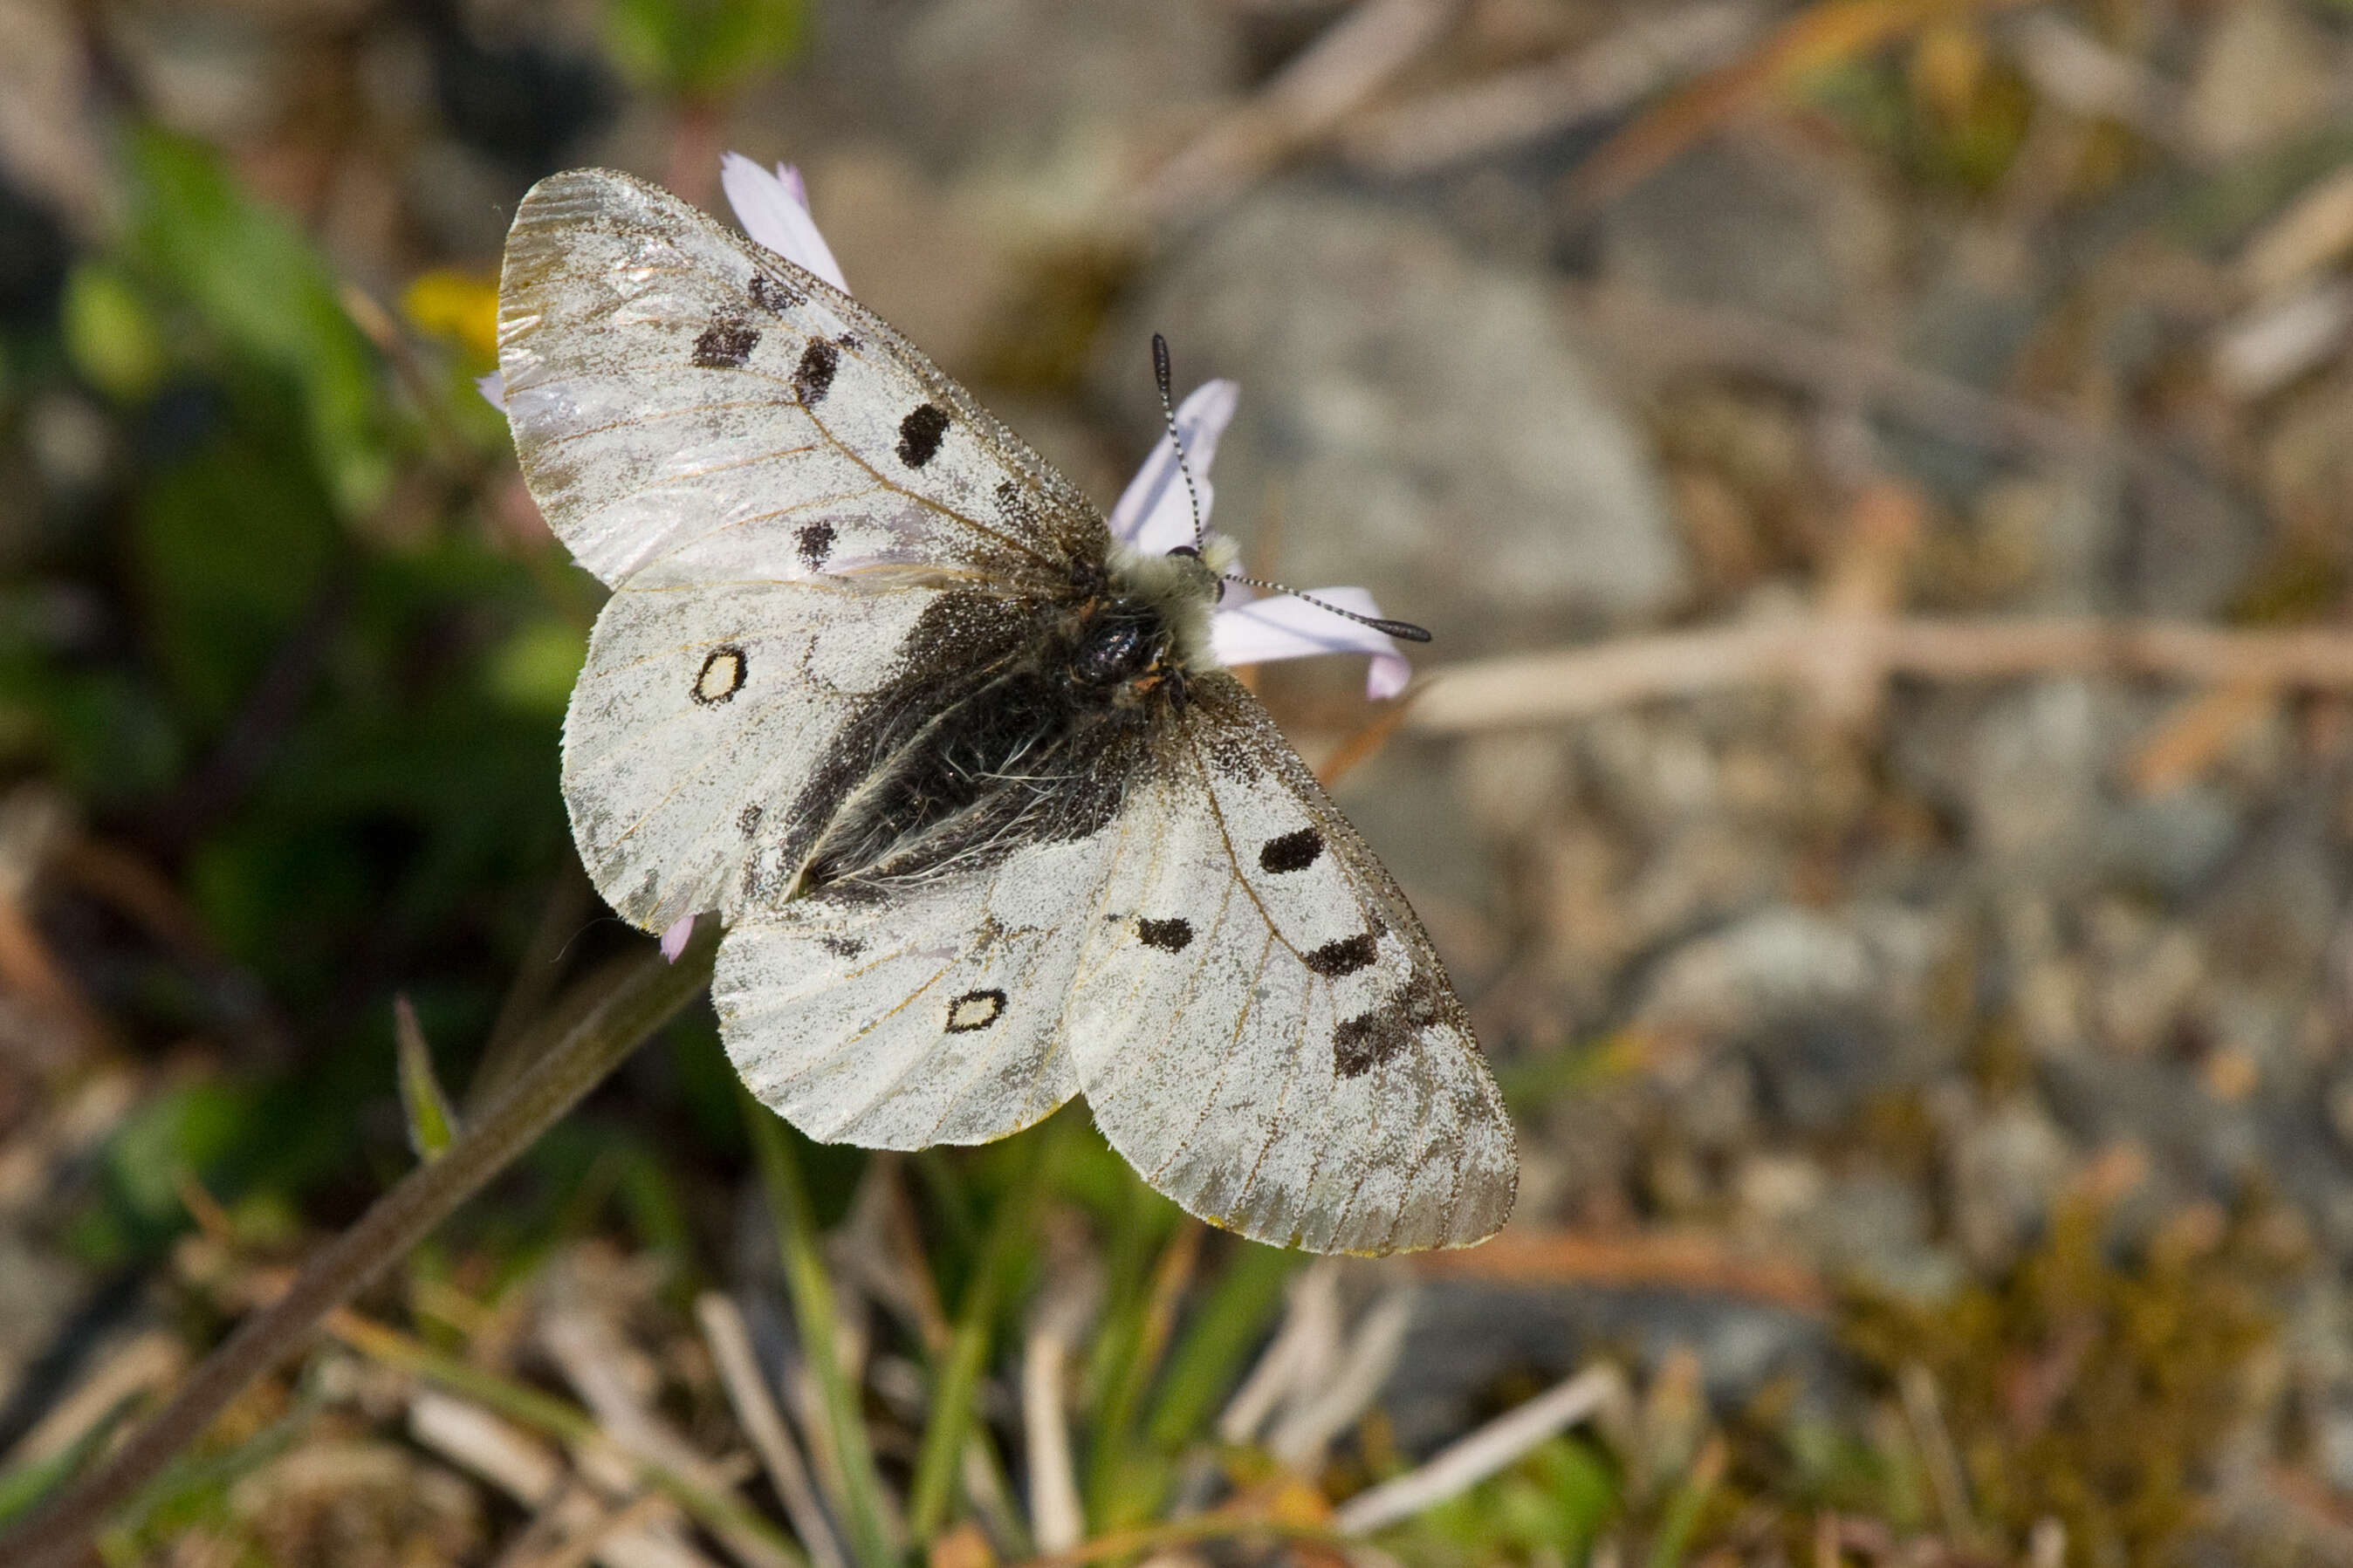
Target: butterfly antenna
[1404,631]
[1168,413]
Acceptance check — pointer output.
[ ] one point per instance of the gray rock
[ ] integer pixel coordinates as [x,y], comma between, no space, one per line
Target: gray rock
[1431,430]
[2004,1168]
[1026,80]
[1873,1227]
[1733,223]
[1786,962]
[2032,790]
[2171,842]
[1466,1335]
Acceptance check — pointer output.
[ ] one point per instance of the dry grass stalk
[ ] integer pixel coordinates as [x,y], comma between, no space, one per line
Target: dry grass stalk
[477,1441]
[1323,1411]
[1463,1463]
[1296,1358]
[764,1424]
[1816,36]
[599,1364]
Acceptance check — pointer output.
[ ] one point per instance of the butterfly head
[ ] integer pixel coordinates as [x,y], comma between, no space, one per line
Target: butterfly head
[1154,613]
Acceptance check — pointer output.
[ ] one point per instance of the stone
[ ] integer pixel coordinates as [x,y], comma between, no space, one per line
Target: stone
[1417,416]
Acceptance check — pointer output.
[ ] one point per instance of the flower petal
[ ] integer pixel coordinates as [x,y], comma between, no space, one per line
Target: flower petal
[674,940]
[1153,514]
[1288,626]
[774,210]
[493,388]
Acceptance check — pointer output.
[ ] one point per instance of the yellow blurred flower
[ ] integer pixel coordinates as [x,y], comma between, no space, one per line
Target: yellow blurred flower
[460,308]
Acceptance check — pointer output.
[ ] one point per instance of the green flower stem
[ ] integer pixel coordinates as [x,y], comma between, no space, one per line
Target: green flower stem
[869,1525]
[938,1462]
[588,1033]
[558,1418]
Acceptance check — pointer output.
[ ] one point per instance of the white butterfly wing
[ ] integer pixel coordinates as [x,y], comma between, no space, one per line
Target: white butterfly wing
[777,484]
[933,1015]
[688,402]
[697,721]
[1261,1026]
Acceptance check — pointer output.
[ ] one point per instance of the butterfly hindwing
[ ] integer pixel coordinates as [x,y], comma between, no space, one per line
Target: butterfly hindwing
[1262,1028]
[698,720]
[687,404]
[934,1016]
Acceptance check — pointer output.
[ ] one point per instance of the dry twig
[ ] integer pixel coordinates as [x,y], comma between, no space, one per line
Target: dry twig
[1675,1259]
[1510,108]
[1355,57]
[1571,683]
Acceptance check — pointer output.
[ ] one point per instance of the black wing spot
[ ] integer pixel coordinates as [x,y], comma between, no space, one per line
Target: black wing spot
[1168,936]
[726,343]
[1344,956]
[775,294]
[974,1010]
[747,821]
[843,946]
[817,544]
[1362,1043]
[920,434]
[722,676]
[1291,852]
[813,378]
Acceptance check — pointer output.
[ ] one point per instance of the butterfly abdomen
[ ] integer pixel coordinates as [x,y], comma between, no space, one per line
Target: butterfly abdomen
[1022,737]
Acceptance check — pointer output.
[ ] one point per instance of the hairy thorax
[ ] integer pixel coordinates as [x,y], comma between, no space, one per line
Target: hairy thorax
[1011,723]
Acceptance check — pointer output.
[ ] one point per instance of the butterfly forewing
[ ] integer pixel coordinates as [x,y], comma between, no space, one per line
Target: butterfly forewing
[775,484]
[1261,1027]
[686,403]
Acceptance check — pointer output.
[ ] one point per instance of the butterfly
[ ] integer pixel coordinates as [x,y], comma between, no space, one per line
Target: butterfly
[986,823]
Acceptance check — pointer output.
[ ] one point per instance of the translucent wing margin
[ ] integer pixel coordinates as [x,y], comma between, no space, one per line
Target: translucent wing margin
[688,404]
[1260,1023]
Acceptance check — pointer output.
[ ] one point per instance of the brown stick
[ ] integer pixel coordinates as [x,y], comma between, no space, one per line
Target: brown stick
[590,1032]
[1570,683]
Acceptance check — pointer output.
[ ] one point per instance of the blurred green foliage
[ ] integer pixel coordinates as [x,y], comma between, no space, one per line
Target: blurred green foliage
[280,650]
[702,48]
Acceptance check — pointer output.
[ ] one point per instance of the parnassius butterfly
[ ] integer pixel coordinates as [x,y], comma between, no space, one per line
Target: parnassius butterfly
[986,823]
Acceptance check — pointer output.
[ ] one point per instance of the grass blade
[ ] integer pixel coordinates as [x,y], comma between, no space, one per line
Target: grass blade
[866,1517]
[936,1464]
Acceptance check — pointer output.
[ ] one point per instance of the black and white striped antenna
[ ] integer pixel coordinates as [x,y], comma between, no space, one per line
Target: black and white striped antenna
[1405,631]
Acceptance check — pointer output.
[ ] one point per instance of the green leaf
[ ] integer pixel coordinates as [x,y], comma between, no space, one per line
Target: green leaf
[111,333]
[534,668]
[702,48]
[252,277]
[953,1392]
[432,1124]
[870,1527]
